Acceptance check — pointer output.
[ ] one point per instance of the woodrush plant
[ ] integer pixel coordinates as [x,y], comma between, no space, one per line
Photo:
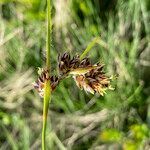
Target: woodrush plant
[87,76]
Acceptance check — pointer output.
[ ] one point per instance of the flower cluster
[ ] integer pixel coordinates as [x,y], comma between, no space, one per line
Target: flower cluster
[39,84]
[89,77]
[94,81]
[67,65]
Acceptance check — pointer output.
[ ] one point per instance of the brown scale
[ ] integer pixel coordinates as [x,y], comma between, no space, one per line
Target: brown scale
[74,62]
[64,62]
[85,63]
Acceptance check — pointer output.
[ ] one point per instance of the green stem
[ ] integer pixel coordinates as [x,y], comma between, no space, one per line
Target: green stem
[47,96]
[47,87]
[91,44]
[48,40]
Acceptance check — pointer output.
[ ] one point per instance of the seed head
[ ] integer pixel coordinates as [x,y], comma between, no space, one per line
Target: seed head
[39,84]
[94,81]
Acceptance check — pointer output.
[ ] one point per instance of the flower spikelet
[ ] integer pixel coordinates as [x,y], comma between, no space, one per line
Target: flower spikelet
[94,81]
[66,64]
[39,84]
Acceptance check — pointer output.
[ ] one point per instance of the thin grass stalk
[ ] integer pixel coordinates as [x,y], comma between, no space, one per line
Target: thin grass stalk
[89,47]
[96,40]
[47,87]
[48,40]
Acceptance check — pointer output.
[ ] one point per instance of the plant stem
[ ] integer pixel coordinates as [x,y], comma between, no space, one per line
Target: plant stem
[91,44]
[48,40]
[47,87]
[97,40]
[47,96]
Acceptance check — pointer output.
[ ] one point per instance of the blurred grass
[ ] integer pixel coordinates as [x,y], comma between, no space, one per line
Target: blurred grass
[78,119]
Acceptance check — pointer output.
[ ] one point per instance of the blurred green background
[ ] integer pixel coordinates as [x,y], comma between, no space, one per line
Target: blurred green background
[79,121]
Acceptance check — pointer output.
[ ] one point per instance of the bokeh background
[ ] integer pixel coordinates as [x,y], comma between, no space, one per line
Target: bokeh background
[77,120]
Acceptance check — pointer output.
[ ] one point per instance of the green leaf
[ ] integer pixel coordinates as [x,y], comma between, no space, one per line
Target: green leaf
[111,135]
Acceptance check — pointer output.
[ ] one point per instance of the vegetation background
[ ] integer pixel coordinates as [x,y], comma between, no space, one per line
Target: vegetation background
[79,121]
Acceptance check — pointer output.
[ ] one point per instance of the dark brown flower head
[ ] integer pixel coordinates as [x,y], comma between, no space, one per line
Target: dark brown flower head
[94,81]
[66,64]
[39,84]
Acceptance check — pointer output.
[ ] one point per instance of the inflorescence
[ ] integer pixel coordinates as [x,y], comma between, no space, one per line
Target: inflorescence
[89,77]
